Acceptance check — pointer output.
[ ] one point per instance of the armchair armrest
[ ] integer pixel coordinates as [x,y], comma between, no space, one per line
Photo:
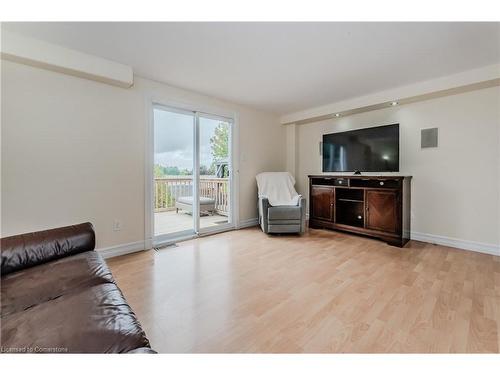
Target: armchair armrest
[31,249]
[263,207]
[302,205]
[263,202]
[302,201]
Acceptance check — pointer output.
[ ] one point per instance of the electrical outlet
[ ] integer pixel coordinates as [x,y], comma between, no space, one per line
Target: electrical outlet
[117,225]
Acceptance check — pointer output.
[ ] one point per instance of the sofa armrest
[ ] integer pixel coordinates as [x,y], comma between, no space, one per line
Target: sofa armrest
[31,249]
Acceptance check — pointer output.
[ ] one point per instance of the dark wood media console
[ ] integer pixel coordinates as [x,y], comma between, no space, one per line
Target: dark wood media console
[376,206]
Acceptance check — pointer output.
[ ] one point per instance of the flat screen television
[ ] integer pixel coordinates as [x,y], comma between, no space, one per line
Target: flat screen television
[366,150]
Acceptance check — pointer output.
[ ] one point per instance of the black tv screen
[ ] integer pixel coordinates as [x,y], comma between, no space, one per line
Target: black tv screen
[366,150]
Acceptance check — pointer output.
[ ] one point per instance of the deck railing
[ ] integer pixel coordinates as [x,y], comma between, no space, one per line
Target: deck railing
[168,189]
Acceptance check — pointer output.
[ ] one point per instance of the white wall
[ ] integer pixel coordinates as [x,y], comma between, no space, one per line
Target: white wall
[455,187]
[73,150]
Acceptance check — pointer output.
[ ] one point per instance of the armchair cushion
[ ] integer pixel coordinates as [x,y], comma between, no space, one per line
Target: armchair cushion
[290,228]
[284,213]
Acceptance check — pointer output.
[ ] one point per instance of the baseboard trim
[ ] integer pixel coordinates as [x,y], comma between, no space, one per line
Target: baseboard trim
[133,247]
[127,248]
[248,223]
[479,247]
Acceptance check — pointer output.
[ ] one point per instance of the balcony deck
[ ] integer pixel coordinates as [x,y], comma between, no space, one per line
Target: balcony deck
[170,222]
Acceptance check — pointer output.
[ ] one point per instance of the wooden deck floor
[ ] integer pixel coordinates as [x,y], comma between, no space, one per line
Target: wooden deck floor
[171,222]
[245,291]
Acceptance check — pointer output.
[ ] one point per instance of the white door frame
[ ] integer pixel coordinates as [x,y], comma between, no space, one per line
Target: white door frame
[196,111]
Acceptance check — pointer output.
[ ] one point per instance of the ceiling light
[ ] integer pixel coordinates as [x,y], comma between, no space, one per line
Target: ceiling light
[394,103]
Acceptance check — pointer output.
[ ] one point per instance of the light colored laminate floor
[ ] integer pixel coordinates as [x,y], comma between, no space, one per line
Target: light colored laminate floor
[244,291]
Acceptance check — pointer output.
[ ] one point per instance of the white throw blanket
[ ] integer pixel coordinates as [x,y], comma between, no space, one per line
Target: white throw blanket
[278,188]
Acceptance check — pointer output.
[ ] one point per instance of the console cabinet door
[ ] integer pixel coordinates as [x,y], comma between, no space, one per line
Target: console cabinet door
[381,210]
[322,199]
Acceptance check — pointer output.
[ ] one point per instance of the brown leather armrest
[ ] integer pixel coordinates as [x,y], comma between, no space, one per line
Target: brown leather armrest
[30,249]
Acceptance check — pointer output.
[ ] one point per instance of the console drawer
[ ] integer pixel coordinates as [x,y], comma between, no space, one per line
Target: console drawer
[386,183]
[324,181]
[341,182]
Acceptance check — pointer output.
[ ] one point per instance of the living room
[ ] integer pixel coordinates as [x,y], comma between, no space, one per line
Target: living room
[236,187]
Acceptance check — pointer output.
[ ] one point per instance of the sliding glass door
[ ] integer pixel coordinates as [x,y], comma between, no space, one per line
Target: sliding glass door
[172,170]
[192,184]
[214,183]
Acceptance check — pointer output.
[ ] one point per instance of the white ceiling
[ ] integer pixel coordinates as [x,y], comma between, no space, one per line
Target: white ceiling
[282,67]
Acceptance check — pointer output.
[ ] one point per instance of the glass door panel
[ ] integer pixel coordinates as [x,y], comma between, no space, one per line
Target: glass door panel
[173,172]
[214,177]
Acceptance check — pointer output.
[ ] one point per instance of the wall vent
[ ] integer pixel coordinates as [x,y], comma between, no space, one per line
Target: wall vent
[429,138]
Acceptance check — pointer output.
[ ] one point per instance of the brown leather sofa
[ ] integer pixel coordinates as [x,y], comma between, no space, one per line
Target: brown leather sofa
[58,296]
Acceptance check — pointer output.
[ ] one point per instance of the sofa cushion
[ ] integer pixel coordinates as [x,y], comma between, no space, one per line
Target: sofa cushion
[31,286]
[284,213]
[92,320]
